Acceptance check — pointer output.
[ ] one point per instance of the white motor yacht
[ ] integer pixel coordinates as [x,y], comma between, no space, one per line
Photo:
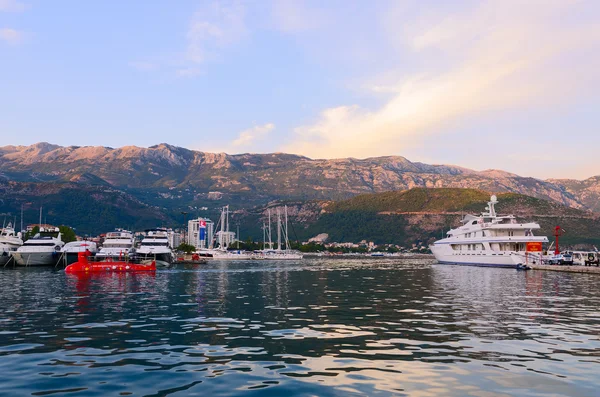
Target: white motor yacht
[155,246]
[71,250]
[44,249]
[490,240]
[117,244]
[9,243]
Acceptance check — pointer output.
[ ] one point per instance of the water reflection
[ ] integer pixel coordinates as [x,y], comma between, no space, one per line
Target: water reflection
[313,328]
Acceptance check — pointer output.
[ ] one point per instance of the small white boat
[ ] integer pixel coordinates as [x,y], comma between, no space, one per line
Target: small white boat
[279,254]
[71,250]
[9,243]
[44,249]
[225,254]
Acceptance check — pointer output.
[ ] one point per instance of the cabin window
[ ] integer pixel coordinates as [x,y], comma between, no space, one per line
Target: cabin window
[474,223]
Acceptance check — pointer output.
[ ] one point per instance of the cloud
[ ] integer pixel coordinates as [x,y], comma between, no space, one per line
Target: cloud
[213,27]
[11,36]
[252,135]
[12,6]
[481,60]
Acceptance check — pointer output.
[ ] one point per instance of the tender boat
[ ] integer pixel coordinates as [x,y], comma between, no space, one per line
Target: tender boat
[490,240]
[9,243]
[44,249]
[117,244]
[155,246]
[71,250]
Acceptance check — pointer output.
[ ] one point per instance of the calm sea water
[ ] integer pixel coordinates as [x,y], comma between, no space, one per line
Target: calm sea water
[312,328]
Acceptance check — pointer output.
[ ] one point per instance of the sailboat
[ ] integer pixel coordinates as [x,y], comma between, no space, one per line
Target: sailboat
[282,231]
[223,240]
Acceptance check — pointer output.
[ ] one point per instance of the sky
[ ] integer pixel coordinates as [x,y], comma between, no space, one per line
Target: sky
[511,85]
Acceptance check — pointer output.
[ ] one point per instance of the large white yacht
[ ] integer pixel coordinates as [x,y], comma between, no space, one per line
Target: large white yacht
[43,249]
[9,243]
[489,240]
[155,246]
[117,244]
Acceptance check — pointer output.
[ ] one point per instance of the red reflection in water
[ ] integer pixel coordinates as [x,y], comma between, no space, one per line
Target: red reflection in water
[88,285]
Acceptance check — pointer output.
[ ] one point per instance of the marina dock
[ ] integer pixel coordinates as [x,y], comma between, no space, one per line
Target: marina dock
[568,269]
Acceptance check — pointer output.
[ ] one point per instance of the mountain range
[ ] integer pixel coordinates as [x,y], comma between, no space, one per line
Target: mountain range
[172,177]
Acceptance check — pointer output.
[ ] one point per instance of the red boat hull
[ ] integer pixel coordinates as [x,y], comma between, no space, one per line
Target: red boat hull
[83,265]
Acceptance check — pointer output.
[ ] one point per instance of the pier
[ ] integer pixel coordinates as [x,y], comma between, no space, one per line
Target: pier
[569,269]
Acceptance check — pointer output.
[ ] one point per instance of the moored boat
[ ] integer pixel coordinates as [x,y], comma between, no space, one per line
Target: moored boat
[71,250]
[490,240]
[9,243]
[84,264]
[44,249]
[155,246]
[117,245]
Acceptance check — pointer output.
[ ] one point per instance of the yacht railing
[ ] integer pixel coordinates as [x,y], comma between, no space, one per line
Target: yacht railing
[530,257]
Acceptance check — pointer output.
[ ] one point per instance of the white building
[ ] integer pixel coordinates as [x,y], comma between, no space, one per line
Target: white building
[194,233]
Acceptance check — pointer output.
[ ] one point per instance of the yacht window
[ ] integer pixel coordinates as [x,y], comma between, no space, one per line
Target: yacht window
[155,244]
[474,223]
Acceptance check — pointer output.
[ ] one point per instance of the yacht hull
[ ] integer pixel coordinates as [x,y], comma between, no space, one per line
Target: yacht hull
[36,258]
[446,256]
[160,257]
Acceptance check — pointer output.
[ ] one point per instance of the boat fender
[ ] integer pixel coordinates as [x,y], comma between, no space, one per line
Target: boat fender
[57,248]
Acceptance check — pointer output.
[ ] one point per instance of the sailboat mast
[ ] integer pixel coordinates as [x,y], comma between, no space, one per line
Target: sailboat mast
[270,241]
[278,229]
[21,218]
[40,224]
[222,221]
[287,237]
